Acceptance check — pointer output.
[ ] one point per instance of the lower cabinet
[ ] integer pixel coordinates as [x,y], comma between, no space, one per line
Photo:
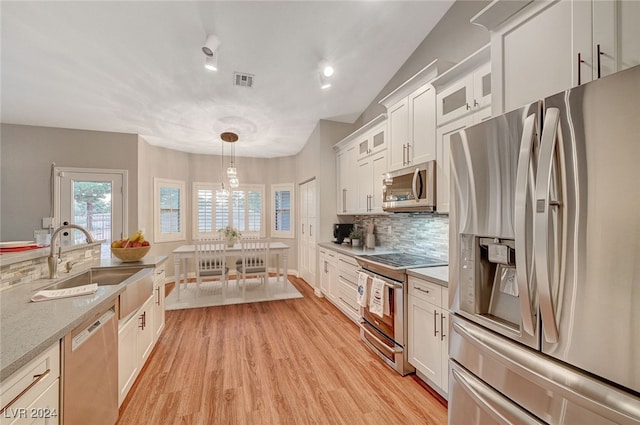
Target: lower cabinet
[32,394]
[135,342]
[428,332]
[158,301]
[339,281]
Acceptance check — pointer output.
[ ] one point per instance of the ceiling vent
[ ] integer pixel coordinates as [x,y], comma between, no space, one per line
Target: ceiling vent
[243,80]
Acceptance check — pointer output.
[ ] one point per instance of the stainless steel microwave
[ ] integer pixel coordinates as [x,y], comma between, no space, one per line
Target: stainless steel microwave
[410,189]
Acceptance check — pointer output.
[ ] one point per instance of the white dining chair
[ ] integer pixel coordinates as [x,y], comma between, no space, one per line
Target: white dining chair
[255,261]
[211,261]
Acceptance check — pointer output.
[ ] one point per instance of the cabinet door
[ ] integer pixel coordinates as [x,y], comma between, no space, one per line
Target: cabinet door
[363,146]
[398,129]
[425,347]
[38,408]
[536,57]
[127,357]
[482,87]
[422,122]
[378,167]
[616,35]
[145,331]
[365,185]
[378,138]
[453,102]
[158,307]
[442,164]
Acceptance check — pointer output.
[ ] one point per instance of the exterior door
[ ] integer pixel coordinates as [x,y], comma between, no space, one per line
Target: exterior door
[94,199]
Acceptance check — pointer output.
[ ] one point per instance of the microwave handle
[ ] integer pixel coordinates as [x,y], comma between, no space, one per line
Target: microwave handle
[417,177]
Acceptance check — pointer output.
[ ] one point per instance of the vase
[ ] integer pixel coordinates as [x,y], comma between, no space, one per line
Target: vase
[231,242]
[355,242]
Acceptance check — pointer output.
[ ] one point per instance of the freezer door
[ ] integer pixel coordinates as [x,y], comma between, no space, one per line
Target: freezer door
[587,227]
[549,390]
[473,402]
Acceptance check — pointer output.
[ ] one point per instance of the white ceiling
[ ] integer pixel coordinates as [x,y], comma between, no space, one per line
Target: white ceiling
[137,67]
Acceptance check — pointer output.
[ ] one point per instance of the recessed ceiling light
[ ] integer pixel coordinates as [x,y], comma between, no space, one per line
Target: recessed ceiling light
[327,71]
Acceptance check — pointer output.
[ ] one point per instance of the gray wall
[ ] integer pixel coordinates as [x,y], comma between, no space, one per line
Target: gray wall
[27,153]
[452,39]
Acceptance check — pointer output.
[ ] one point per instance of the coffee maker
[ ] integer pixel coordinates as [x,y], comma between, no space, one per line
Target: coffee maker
[341,231]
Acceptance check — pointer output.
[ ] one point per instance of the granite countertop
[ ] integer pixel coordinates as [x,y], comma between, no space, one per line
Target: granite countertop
[349,250]
[439,275]
[28,328]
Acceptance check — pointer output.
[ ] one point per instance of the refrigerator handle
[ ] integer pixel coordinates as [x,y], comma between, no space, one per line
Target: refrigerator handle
[522,200]
[541,237]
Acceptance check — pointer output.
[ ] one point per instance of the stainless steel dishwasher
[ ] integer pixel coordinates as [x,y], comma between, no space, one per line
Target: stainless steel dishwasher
[90,371]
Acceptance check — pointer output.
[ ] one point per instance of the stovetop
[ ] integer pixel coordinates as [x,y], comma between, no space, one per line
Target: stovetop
[399,260]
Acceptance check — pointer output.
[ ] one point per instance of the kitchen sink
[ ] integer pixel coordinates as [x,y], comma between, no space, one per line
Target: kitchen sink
[110,276]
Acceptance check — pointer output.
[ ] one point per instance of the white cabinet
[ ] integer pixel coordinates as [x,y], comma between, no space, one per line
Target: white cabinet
[308,232]
[158,301]
[411,129]
[429,331]
[607,37]
[328,273]
[347,287]
[369,181]
[411,126]
[135,342]
[31,395]
[467,95]
[358,155]
[347,189]
[372,142]
[548,47]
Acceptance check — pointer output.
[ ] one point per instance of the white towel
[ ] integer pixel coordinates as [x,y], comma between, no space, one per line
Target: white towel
[376,300]
[362,289]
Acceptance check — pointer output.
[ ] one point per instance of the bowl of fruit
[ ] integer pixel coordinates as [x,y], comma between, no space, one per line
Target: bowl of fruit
[132,249]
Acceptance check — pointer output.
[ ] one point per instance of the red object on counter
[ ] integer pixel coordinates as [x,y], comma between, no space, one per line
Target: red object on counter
[21,248]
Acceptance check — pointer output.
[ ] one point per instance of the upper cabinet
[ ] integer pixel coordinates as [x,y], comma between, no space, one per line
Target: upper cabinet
[411,126]
[361,160]
[465,88]
[541,48]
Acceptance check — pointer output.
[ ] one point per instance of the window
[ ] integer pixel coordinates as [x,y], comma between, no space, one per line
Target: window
[244,209]
[168,213]
[282,211]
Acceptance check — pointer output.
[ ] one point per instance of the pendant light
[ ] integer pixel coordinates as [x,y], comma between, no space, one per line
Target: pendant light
[232,172]
[222,193]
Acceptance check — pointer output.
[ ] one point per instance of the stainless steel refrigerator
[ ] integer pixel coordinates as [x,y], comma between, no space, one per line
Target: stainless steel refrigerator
[545,261]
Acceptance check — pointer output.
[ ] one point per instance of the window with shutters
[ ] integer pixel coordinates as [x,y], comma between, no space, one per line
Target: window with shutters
[282,210]
[169,210]
[242,209]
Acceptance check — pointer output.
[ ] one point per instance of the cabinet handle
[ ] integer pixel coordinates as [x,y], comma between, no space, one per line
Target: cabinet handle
[580,62]
[302,228]
[408,153]
[426,291]
[36,379]
[442,334]
[468,107]
[325,267]
[404,154]
[310,229]
[475,103]
[142,320]
[435,323]
[598,53]
[158,295]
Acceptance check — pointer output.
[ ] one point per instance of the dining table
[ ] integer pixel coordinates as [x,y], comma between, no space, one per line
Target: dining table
[184,255]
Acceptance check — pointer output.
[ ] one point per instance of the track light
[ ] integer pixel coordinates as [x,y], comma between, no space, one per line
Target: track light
[211,62]
[211,45]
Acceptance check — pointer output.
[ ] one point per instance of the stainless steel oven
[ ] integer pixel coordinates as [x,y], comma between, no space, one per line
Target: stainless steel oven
[387,336]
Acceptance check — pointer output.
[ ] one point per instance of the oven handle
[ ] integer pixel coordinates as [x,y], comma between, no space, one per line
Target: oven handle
[388,283]
[396,348]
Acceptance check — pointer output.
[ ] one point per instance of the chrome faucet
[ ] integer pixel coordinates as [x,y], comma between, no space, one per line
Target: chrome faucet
[53,259]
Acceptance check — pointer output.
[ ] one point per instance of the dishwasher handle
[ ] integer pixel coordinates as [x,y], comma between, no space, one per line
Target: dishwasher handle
[90,330]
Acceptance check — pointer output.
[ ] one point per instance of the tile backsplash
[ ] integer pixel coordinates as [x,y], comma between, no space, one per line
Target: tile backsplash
[423,234]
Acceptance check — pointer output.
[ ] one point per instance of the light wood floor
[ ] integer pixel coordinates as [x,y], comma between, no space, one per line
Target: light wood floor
[296,361]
